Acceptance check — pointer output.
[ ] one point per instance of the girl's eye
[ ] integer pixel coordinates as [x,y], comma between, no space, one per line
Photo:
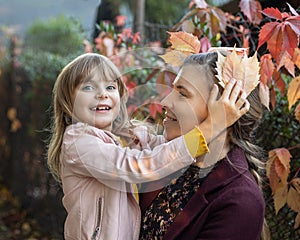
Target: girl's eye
[111,87]
[87,88]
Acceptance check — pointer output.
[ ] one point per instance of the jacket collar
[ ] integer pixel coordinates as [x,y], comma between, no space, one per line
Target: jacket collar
[230,167]
[224,172]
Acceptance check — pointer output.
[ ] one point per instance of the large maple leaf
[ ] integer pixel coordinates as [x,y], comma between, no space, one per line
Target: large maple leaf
[281,35]
[240,68]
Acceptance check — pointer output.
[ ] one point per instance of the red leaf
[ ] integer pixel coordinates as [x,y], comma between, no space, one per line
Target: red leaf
[290,39]
[279,82]
[273,97]
[272,13]
[293,11]
[251,9]
[279,161]
[154,108]
[198,4]
[294,22]
[266,33]
[205,44]
[286,61]
[222,18]
[121,19]
[266,69]
[275,43]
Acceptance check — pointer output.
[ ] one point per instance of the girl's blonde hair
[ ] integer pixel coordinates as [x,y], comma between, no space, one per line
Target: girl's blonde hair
[69,79]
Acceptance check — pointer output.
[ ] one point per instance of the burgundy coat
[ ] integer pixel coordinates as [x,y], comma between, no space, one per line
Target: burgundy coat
[228,205]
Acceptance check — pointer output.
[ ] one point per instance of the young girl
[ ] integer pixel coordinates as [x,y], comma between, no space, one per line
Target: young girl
[96,172]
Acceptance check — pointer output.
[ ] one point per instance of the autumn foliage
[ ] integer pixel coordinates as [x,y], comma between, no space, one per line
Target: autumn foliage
[265,39]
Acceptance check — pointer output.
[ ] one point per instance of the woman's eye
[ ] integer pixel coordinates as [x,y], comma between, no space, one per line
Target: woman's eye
[182,94]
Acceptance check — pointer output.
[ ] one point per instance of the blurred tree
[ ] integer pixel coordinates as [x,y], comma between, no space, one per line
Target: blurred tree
[62,36]
[107,10]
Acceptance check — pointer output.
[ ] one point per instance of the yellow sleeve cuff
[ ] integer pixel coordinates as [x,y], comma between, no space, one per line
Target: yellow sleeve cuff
[195,142]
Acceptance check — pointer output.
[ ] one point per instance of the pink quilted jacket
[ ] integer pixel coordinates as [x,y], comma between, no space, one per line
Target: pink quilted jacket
[97,176]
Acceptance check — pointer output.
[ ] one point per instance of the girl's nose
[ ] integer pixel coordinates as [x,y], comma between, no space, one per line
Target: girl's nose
[102,94]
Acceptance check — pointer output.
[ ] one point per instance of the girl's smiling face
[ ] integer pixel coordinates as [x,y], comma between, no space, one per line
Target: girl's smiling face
[97,102]
[186,105]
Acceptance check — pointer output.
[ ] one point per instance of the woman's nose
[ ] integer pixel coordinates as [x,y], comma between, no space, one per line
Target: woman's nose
[166,102]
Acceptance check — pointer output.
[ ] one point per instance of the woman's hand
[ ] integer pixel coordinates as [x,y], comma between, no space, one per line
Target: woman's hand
[224,111]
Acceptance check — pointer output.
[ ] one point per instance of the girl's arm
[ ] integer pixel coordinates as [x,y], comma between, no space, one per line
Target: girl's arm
[86,153]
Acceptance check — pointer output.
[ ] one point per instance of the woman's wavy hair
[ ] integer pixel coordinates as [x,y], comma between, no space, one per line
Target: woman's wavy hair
[242,132]
[72,76]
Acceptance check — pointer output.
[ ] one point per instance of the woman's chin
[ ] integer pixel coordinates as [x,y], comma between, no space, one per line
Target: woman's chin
[170,135]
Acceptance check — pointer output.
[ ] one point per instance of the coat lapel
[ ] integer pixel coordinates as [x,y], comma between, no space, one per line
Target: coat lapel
[224,172]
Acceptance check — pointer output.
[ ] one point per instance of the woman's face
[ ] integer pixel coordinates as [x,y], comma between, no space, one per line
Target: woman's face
[186,105]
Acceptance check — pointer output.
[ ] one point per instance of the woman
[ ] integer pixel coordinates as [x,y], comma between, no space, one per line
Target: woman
[219,197]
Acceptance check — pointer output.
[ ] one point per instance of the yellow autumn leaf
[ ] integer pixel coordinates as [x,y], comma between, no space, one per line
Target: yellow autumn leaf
[271,173]
[282,163]
[233,68]
[293,199]
[174,57]
[251,73]
[293,92]
[183,41]
[280,196]
[297,112]
[278,167]
[296,57]
[239,67]
[264,95]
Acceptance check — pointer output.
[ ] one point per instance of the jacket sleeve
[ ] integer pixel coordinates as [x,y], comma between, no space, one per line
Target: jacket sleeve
[89,155]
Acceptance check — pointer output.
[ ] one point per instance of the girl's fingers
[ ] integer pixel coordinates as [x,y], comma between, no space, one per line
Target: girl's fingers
[228,88]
